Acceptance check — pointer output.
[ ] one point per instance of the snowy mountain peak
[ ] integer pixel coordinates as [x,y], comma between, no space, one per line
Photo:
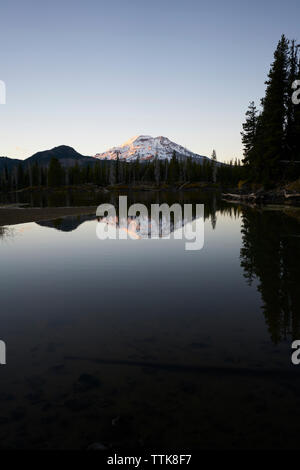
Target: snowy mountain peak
[136,139]
[146,147]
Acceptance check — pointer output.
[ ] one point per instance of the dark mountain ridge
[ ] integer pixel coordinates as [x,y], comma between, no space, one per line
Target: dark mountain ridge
[66,155]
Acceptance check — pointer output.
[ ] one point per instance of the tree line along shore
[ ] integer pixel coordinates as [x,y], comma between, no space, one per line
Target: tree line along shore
[270,168]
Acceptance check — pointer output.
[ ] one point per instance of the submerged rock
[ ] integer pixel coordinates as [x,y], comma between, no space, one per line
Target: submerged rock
[97,446]
[77,405]
[86,382]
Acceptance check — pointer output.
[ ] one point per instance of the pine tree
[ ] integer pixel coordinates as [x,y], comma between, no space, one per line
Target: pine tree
[35,174]
[157,170]
[293,111]
[267,136]
[117,170]
[214,165]
[271,145]
[55,173]
[136,170]
[21,175]
[296,131]
[249,133]
[112,173]
[173,168]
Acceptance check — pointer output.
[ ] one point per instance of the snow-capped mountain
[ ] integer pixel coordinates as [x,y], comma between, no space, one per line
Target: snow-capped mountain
[146,147]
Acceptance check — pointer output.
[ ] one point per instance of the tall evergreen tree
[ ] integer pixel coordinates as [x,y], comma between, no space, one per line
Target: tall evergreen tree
[55,173]
[249,134]
[214,165]
[293,111]
[157,170]
[296,124]
[117,171]
[271,143]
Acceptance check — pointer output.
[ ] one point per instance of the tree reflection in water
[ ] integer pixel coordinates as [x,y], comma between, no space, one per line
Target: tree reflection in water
[271,254]
[6,232]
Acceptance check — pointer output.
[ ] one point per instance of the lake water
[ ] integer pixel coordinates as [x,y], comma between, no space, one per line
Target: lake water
[140,343]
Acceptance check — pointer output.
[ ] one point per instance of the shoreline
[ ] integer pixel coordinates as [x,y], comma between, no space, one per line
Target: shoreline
[19,213]
[262,197]
[94,188]
[14,214]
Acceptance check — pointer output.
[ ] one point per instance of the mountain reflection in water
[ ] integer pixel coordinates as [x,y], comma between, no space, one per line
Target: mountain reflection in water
[270,254]
[184,350]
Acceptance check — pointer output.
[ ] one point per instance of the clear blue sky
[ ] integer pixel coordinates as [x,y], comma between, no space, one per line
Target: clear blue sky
[91,74]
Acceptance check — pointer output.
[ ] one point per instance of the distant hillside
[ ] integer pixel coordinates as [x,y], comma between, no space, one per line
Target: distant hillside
[9,163]
[66,155]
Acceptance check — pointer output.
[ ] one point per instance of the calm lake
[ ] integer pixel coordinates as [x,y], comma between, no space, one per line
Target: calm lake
[140,343]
